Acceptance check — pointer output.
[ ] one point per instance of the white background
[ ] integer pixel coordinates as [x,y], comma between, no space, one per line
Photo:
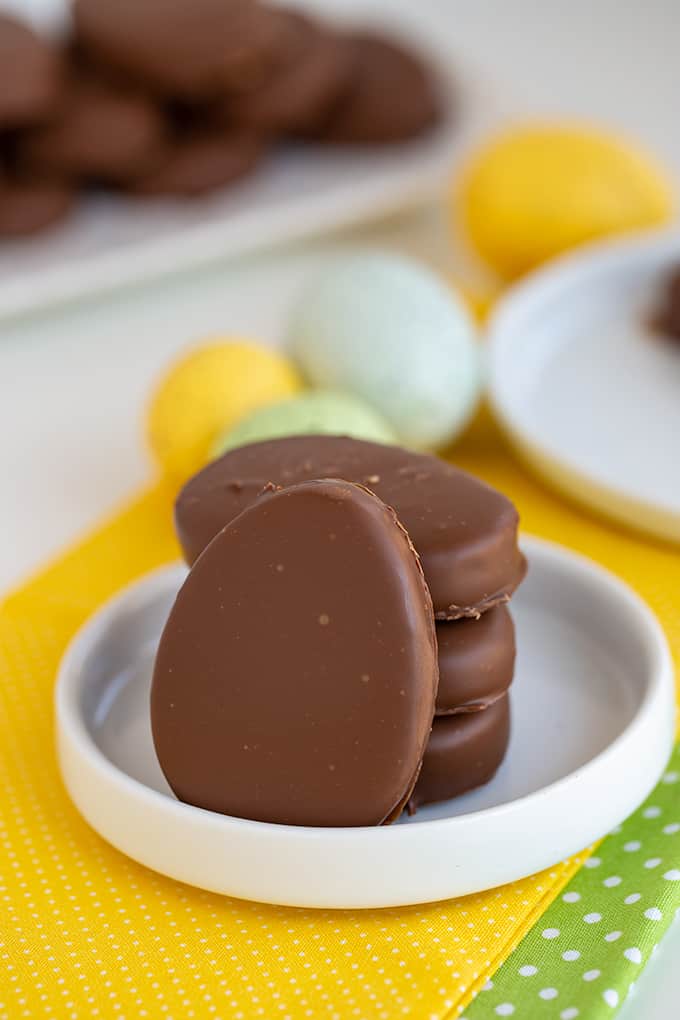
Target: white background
[73,383]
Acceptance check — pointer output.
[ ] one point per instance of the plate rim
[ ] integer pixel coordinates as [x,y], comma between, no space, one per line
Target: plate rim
[142,262]
[561,469]
[75,744]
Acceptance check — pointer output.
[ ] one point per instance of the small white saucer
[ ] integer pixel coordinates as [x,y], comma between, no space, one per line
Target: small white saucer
[587,392]
[593,722]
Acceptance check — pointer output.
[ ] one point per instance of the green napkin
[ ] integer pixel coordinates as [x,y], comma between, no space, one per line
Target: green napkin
[587,950]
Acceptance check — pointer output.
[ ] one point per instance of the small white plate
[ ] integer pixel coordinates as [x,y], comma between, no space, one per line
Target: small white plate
[587,392]
[593,722]
[300,191]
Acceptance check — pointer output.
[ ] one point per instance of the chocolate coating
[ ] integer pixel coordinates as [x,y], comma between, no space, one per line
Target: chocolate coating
[391,97]
[464,751]
[193,50]
[296,676]
[476,661]
[100,132]
[666,320]
[26,209]
[198,164]
[30,74]
[465,532]
[312,68]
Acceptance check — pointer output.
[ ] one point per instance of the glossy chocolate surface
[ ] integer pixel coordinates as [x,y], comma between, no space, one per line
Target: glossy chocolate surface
[476,661]
[463,752]
[296,676]
[465,532]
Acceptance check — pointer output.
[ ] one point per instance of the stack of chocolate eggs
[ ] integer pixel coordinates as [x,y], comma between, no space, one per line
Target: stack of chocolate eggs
[341,648]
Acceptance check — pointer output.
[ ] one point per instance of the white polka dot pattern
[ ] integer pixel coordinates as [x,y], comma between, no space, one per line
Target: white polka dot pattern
[610,916]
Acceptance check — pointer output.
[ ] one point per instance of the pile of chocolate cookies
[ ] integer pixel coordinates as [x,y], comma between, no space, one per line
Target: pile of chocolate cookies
[180,97]
[341,648]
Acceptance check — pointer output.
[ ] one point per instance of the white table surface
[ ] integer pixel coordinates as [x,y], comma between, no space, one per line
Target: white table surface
[73,382]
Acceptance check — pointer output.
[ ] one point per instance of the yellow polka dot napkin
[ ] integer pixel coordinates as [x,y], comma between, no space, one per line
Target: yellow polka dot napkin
[85,932]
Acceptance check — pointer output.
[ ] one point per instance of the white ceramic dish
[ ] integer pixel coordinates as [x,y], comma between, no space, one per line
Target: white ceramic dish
[110,242]
[593,720]
[587,392]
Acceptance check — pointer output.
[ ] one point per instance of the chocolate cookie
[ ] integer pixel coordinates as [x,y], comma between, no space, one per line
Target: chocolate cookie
[27,208]
[196,164]
[476,661]
[463,752]
[191,49]
[30,75]
[296,676]
[312,69]
[99,132]
[465,532]
[392,96]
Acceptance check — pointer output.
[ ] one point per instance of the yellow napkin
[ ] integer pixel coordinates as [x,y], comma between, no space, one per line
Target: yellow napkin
[85,932]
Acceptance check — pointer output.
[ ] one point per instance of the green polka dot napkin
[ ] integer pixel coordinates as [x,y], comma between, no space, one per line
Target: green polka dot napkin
[585,953]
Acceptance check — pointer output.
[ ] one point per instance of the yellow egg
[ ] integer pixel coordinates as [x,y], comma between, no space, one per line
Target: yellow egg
[205,392]
[539,190]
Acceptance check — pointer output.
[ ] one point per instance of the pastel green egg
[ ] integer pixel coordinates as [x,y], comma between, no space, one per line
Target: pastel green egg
[315,412]
[385,328]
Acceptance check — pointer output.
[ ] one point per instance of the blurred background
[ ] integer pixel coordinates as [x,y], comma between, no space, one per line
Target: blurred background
[92,313]
[75,376]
